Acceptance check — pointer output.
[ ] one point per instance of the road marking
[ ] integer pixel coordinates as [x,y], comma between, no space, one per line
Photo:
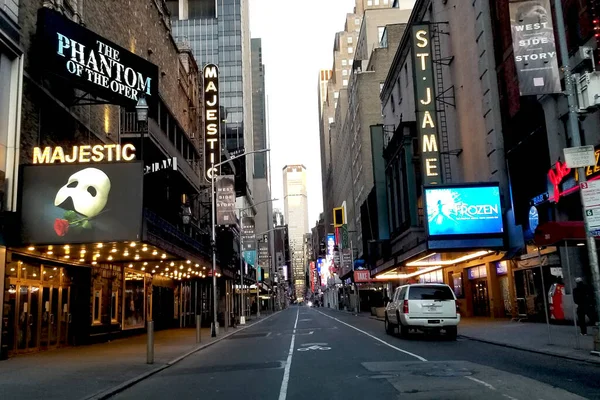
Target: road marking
[509,397]
[315,347]
[487,385]
[376,338]
[288,364]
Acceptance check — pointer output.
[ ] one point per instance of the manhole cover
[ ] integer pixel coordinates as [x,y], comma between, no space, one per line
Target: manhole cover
[248,335]
[444,373]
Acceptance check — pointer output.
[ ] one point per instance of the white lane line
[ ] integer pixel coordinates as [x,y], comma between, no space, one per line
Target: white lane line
[487,385]
[376,338]
[288,364]
[509,397]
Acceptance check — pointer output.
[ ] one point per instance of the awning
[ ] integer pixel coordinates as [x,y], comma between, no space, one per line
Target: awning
[554,232]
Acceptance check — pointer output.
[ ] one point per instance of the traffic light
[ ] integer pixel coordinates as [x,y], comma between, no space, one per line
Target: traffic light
[338,217]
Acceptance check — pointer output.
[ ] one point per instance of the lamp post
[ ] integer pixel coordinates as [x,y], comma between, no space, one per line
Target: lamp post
[141,110]
[242,309]
[213,225]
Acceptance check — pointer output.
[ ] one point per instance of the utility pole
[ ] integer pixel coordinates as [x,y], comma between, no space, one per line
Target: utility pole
[576,140]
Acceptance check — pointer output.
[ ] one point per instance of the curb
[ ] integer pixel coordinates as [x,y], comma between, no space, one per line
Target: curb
[105,394]
[546,353]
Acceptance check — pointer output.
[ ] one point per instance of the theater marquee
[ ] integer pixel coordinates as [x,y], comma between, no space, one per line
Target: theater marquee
[425,104]
[212,121]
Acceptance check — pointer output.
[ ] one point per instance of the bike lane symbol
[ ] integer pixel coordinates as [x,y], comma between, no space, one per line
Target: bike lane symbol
[314,346]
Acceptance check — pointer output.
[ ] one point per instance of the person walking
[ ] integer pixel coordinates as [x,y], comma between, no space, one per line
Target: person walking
[583,298]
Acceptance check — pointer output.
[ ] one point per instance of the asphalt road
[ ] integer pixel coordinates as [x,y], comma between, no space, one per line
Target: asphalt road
[315,353]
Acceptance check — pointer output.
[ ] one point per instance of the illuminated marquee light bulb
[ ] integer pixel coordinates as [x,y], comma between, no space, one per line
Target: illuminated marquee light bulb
[110,258]
[114,250]
[137,257]
[188,262]
[181,267]
[100,245]
[172,263]
[144,248]
[132,244]
[31,248]
[154,252]
[163,256]
[130,265]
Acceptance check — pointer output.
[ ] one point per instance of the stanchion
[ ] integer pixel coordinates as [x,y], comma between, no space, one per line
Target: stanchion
[198,328]
[150,343]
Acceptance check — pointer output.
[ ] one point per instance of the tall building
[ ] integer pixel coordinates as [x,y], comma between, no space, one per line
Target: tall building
[324,77]
[278,218]
[296,215]
[219,32]
[262,190]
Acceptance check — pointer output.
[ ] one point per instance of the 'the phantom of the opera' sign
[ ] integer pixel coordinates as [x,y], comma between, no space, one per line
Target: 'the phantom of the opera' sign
[534,47]
[212,121]
[425,104]
[84,154]
[94,64]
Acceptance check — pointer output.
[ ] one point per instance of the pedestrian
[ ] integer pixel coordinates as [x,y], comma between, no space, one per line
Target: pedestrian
[583,298]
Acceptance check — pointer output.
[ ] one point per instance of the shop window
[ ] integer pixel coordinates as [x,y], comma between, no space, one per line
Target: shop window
[457,285]
[97,306]
[114,304]
[133,316]
[477,272]
[29,271]
[51,274]
[12,269]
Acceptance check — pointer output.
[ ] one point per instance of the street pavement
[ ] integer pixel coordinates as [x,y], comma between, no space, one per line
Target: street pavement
[316,353]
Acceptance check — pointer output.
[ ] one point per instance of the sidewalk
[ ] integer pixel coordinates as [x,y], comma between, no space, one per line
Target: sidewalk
[531,336]
[94,371]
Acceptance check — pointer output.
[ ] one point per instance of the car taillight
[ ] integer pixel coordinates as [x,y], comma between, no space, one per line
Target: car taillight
[405,307]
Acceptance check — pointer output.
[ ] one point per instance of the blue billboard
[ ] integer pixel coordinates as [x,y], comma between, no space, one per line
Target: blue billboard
[464,210]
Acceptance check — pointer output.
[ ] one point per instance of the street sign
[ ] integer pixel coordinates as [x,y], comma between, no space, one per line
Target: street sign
[592,217]
[590,193]
[579,157]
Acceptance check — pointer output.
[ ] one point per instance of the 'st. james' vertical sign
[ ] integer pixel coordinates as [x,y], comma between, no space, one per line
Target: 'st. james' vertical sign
[425,104]
[212,121]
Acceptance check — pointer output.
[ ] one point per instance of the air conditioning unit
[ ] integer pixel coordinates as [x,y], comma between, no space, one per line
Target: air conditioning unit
[588,90]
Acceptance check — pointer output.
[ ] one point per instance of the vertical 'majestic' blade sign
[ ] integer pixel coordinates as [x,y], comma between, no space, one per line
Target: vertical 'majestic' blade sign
[212,121]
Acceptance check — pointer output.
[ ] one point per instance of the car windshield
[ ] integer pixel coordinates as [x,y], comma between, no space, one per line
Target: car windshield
[430,293]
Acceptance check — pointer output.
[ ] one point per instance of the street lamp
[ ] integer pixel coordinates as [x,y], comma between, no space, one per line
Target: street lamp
[212,173]
[141,110]
[242,309]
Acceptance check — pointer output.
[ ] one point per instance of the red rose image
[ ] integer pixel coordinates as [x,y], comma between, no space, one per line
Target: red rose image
[61,226]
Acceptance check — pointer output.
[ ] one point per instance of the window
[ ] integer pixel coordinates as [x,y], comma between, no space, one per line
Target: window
[381,84]
[344,63]
[357,21]
[386,2]
[336,95]
[381,30]
[350,50]
[345,82]
[97,306]
[345,72]
[370,3]
[349,39]
[331,120]
[376,2]
[430,293]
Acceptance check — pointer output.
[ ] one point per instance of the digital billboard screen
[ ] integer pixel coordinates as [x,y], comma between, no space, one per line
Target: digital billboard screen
[74,203]
[464,210]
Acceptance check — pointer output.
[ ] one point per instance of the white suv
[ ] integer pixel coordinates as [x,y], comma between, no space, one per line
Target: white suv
[425,307]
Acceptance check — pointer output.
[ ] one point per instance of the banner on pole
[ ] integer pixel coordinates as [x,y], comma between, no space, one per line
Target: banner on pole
[225,193]
[248,233]
[534,47]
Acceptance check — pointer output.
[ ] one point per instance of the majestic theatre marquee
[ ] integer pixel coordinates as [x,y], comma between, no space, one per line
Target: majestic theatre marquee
[425,104]
[84,154]
[212,121]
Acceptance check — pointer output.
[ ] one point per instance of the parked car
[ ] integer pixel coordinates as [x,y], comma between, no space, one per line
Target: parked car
[429,307]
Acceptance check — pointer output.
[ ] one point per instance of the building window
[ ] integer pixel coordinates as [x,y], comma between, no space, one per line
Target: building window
[357,21]
[386,2]
[381,84]
[345,72]
[331,120]
[381,31]
[345,82]
[336,95]
[97,306]
[369,3]
[376,2]
[349,39]
[344,63]
[350,50]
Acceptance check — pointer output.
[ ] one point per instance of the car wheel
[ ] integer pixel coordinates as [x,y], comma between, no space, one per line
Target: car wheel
[403,329]
[452,332]
[389,328]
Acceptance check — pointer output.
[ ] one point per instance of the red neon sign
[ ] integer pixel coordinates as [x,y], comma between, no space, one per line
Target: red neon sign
[555,176]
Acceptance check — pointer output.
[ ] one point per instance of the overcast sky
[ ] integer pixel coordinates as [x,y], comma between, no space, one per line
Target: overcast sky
[297,39]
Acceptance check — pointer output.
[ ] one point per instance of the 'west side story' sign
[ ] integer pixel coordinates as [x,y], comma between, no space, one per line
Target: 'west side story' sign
[212,125]
[94,64]
[425,104]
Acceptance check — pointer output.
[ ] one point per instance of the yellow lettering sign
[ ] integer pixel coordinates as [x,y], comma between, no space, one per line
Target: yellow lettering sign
[421,38]
[427,101]
[429,143]
[84,154]
[431,166]
[423,56]
[427,120]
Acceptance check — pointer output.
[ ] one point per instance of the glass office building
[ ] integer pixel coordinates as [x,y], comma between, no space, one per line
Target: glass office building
[213,29]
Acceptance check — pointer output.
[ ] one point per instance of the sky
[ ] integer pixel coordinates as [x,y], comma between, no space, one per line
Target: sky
[297,41]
